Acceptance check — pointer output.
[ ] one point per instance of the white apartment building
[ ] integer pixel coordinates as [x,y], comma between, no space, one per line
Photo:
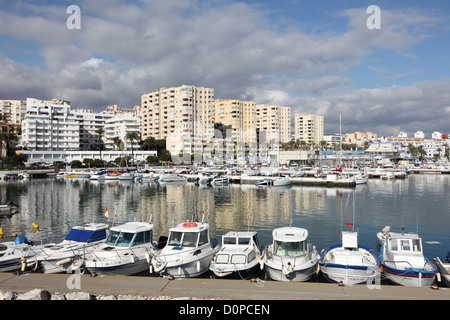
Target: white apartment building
[176,113]
[309,127]
[49,125]
[275,121]
[119,126]
[90,122]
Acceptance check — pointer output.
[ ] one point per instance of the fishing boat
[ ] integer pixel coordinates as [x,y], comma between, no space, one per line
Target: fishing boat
[349,262]
[79,242]
[240,256]
[188,252]
[444,270]
[291,257]
[124,252]
[13,256]
[403,261]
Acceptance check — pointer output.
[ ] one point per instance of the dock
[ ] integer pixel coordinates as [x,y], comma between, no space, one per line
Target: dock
[200,288]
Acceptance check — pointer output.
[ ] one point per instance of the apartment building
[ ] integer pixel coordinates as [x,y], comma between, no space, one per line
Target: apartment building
[240,116]
[90,122]
[359,138]
[119,126]
[49,125]
[274,121]
[308,127]
[176,113]
[13,112]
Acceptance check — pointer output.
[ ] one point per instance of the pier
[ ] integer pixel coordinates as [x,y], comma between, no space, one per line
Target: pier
[199,288]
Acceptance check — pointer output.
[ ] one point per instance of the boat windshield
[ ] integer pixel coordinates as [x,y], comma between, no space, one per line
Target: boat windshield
[290,248]
[120,239]
[240,240]
[183,239]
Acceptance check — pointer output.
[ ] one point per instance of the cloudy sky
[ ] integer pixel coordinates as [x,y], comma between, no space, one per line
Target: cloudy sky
[314,56]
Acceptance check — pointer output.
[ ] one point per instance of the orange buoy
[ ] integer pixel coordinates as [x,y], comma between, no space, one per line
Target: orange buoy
[189,224]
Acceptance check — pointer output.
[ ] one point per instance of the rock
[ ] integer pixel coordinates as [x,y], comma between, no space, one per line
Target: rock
[35,294]
[78,296]
[7,295]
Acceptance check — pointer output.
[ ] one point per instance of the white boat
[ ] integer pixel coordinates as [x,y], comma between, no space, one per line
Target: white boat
[403,261]
[240,256]
[171,178]
[349,262]
[98,175]
[291,257]
[188,252]
[360,178]
[12,256]
[282,181]
[220,181]
[125,251]
[264,182]
[111,177]
[79,242]
[127,176]
[444,270]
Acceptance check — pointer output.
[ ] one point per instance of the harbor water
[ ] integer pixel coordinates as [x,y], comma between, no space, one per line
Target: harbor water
[420,203]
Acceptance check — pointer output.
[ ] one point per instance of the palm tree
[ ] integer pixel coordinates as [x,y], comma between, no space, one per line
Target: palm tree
[100,132]
[117,142]
[132,136]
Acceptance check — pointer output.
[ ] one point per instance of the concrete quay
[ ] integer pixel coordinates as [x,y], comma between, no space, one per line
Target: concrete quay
[199,288]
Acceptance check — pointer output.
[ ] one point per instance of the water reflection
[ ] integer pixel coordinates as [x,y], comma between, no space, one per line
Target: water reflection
[419,202]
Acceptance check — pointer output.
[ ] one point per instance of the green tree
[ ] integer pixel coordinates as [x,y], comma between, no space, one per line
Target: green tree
[132,136]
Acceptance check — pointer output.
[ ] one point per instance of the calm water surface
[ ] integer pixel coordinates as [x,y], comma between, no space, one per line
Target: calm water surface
[418,203]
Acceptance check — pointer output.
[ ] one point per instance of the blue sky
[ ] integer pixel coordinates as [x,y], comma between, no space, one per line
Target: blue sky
[314,56]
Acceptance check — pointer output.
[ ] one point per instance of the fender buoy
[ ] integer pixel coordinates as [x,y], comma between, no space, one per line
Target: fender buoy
[189,224]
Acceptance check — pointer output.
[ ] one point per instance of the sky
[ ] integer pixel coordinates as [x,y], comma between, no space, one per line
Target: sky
[314,56]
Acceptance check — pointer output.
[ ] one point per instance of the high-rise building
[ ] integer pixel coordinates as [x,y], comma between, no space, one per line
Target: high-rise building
[13,112]
[178,113]
[240,115]
[275,121]
[309,127]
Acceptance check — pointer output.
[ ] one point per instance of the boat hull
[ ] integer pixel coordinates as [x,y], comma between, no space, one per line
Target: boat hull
[300,275]
[236,274]
[408,278]
[123,269]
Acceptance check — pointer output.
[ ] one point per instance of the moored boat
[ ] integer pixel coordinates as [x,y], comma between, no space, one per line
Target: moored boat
[240,256]
[188,252]
[78,243]
[13,256]
[125,251]
[444,270]
[349,262]
[291,257]
[403,261]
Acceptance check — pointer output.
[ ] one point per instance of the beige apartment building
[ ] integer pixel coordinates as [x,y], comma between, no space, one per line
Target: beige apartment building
[178,113]
[359,138]
[240,115]
[275,121]
[13,112]
[309,127]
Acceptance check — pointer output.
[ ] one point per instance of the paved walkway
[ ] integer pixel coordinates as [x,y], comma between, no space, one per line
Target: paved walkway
[213,289]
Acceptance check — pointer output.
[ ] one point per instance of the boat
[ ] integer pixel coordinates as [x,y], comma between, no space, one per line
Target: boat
[264,182]
[291,257]
[125,251]
[220,181]
[240,256]
[99,175]
[444,270]
[188,252]
[13,256]
[111,176]
[78,243]
[127,176]
[171,178]
[349,262]
[403,261]
[282,181]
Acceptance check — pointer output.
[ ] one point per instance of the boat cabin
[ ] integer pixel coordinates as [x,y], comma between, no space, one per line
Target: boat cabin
[237,248]
[290,242]
[130,234]
[189,234]
[404,243]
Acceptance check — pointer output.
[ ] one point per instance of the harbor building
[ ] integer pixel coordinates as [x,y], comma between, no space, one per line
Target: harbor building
[309,128]
[181,115]
[275,121]
[240,116]
[49,125]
